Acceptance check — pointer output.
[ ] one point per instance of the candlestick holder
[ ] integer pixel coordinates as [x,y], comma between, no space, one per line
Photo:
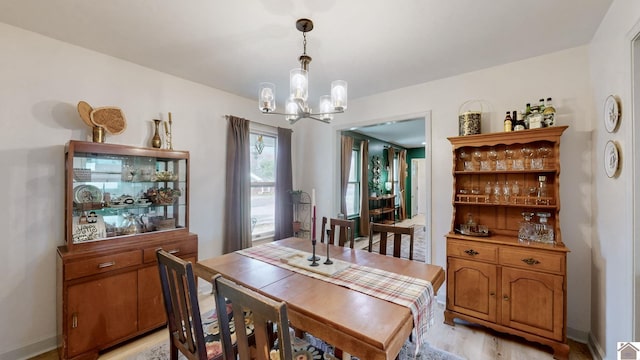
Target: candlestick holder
[313,256]
[329,237]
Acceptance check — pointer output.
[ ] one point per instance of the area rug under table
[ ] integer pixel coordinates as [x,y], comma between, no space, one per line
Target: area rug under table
[160,351]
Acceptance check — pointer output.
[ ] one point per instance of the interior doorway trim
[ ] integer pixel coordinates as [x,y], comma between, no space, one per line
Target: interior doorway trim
[635,138]
[426,115]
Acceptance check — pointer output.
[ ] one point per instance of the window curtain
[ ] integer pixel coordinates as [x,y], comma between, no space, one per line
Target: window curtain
[345,166]
[402,168]
[284,184]
[364,188]
[390,175]
[237,214]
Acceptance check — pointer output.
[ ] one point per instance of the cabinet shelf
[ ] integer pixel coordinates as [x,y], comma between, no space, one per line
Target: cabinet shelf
[504,172]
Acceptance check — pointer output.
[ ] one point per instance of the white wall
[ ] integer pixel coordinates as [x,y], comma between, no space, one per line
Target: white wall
[41,81]
[612,270]
[563,76]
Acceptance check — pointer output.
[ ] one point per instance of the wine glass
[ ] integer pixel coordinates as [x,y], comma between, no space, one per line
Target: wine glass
[493,156]
[497,190]
[543,152]
[464,156]
[515,191]
[531,191]
[487,191]
[508,155]
[477,156]
[527,153]
[506,191]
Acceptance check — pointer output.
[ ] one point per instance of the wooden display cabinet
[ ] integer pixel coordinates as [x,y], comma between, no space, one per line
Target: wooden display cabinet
[501,274]
[382,209]
[122,203]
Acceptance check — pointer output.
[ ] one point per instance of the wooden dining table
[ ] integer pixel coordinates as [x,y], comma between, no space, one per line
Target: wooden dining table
[362,325]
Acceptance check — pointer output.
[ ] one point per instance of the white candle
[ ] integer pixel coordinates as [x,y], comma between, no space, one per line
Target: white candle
[313,197]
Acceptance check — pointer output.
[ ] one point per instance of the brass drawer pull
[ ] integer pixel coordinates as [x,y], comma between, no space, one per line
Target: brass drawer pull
[505,297]
[530,261]
[174,251]
[471,252]
[74,321]
[106,264]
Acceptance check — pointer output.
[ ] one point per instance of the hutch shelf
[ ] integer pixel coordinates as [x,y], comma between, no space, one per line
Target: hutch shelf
[122,203]
[506,262]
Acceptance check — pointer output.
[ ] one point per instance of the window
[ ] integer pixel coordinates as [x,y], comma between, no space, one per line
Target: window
[353,186]
[263,184]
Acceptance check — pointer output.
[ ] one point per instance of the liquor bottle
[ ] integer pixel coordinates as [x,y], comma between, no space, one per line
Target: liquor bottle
[535,119]
[541,105]
[519,124]
[549,113]
[527,113]
[508,123]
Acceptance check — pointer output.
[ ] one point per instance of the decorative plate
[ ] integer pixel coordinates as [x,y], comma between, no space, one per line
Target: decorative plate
[611,113]
[611,159]
[87,194]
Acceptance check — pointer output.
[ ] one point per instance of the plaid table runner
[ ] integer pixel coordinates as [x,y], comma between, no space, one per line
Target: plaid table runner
[416,294]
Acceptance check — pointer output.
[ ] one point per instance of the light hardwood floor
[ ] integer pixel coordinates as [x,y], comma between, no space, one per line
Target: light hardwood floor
[465,340]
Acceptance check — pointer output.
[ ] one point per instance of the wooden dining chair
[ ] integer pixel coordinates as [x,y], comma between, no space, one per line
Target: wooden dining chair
[187,332]
[266,312]
[344,228]
[385,231]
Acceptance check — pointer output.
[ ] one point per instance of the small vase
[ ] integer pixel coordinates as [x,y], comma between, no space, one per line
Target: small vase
[156,142]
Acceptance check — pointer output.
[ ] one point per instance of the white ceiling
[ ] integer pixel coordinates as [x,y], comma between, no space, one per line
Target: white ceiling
[375,45]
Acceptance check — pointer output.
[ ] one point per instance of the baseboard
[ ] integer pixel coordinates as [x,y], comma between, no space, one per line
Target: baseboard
[31,350]
[595,348]
[578,335]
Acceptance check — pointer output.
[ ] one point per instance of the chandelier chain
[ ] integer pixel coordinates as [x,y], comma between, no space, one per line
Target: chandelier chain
[304,43]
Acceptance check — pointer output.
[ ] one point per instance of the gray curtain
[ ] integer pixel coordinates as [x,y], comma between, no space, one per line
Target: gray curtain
[284,184]
[237,214]
[345,166]
[364,188]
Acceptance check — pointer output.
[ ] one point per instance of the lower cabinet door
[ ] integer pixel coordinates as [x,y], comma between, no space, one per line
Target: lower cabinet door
[533,302]
[471,288]
[101,311]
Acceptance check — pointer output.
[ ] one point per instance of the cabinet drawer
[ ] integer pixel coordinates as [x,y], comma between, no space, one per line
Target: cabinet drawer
[102,264]
[177,248]
[472,250]
[531,259]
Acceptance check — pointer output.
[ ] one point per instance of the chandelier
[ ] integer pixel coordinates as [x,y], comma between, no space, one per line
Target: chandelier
[297,107]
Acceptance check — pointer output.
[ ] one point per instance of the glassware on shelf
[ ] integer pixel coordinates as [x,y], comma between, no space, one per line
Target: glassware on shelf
[515,191]
[543,152]
[525,232]
[464,156]
[542,191]
[506,192]
[531,191]
[497,191]
[544,231]
[527,156]
[477,156]
[508,155]
[492,155]
[487,191]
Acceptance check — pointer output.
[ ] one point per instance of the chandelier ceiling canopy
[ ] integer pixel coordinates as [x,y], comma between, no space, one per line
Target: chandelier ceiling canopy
[297,107]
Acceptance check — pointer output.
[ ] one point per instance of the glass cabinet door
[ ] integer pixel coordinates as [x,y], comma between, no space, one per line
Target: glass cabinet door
[116,195]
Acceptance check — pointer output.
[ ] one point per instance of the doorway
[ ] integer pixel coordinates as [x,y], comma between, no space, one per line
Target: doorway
[388,127]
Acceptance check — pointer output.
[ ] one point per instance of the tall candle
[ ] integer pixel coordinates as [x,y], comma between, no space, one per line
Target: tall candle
[313,219]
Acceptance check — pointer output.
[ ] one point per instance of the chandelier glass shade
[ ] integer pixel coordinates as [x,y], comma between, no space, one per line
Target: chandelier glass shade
[297,107]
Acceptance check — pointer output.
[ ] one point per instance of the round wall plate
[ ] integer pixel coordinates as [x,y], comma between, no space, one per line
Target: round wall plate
[611,159]
[611,113]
